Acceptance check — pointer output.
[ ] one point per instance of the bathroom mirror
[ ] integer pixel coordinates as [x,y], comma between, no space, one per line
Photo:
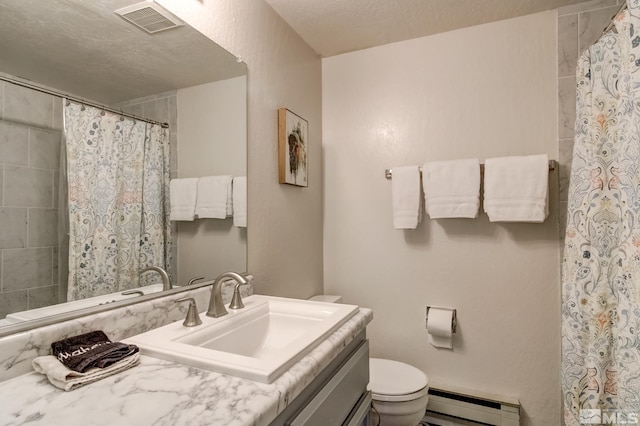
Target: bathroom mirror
[86,50]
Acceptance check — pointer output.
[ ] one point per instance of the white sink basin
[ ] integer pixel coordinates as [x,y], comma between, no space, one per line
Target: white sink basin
[259,342]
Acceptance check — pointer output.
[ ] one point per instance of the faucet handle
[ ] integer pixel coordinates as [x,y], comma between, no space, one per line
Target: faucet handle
[193,280]
[236,300]
[128,292]
[192,318]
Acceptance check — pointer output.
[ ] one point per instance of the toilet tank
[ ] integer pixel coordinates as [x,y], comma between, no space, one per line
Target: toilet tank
[331,298]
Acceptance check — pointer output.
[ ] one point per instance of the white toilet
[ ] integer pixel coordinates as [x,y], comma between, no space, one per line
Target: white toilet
[399,391]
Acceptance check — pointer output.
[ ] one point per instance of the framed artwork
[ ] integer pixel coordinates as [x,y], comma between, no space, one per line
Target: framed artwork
[293,148]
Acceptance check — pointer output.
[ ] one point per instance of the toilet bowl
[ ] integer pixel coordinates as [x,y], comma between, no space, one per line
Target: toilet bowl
[399,391]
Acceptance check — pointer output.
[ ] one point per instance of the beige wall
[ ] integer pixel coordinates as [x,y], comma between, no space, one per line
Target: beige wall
[212,133]
[479,92]
[285,222]
[483,91]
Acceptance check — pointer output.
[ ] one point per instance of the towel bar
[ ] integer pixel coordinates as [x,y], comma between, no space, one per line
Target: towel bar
[388,172]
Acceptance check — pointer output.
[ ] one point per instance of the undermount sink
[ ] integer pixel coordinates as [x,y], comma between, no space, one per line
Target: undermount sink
[259,342]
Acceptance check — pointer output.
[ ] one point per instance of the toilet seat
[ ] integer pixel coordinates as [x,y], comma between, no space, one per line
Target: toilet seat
[400,398]
[395,381]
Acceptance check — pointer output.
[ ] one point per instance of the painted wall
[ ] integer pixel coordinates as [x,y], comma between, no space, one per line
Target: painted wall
[213,141]
[284,222]
[483,92]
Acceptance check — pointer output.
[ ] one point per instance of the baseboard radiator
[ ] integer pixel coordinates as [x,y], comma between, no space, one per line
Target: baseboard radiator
[457,407]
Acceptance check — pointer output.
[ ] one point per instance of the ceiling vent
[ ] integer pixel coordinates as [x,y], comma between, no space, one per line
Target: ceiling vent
[149,16]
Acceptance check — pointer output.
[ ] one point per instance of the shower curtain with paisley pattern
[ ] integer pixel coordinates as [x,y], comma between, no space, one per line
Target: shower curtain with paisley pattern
[601,267]
[118,180]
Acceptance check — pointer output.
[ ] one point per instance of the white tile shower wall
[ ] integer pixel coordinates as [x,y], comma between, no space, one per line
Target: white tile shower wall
[30,138]
[33,264]
[579,26]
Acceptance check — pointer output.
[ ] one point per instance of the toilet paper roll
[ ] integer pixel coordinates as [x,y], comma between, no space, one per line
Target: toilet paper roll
[439,327]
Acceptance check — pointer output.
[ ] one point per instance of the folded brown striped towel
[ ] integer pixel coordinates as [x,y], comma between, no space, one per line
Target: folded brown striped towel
[90,350]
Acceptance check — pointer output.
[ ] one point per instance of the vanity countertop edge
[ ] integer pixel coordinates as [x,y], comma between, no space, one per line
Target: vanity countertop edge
[164,393]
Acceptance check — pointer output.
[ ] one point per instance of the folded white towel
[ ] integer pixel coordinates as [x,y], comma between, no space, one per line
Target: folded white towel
[516,189]
[240,201]
[214,197]
[64,378]
[182,198]
[452,188]
[230,198]
[405,196]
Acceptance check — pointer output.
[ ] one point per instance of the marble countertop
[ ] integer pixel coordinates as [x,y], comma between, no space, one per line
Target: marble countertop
[158,392]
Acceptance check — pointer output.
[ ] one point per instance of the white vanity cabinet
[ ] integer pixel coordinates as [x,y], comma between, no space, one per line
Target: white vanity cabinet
[338,396]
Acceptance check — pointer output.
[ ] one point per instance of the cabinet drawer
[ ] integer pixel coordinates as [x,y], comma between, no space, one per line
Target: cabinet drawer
[360,414]
[333,403]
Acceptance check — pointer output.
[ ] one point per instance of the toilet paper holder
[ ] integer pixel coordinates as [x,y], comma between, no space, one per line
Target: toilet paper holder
[454,319]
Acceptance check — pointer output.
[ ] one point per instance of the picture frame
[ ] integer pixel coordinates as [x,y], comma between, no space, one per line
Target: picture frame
[293,148]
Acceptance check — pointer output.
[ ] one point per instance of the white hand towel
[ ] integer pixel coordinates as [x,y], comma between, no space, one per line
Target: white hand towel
[182,198]
[230,198]
[240,201]
[214,193]
[405,196]
[452,188]
[516,189]
[64,378]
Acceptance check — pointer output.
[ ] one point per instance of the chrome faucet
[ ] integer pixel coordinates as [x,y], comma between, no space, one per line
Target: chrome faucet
[216,305]
[166,282]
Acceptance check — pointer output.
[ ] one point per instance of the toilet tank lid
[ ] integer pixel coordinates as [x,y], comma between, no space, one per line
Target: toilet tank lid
[388,377]
[331,298]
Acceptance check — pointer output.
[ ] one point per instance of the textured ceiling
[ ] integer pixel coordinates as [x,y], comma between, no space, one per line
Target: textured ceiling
[83,48]
[332,27]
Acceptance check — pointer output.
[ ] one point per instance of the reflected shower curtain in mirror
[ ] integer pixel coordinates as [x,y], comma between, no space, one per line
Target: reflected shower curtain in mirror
[118,181]
[601,267]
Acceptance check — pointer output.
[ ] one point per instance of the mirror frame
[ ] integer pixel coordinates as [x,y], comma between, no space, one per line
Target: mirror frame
[10,329]
[79,313]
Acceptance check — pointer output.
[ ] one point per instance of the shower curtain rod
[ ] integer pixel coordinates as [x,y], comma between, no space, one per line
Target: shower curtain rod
[80,101]
[611,23]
